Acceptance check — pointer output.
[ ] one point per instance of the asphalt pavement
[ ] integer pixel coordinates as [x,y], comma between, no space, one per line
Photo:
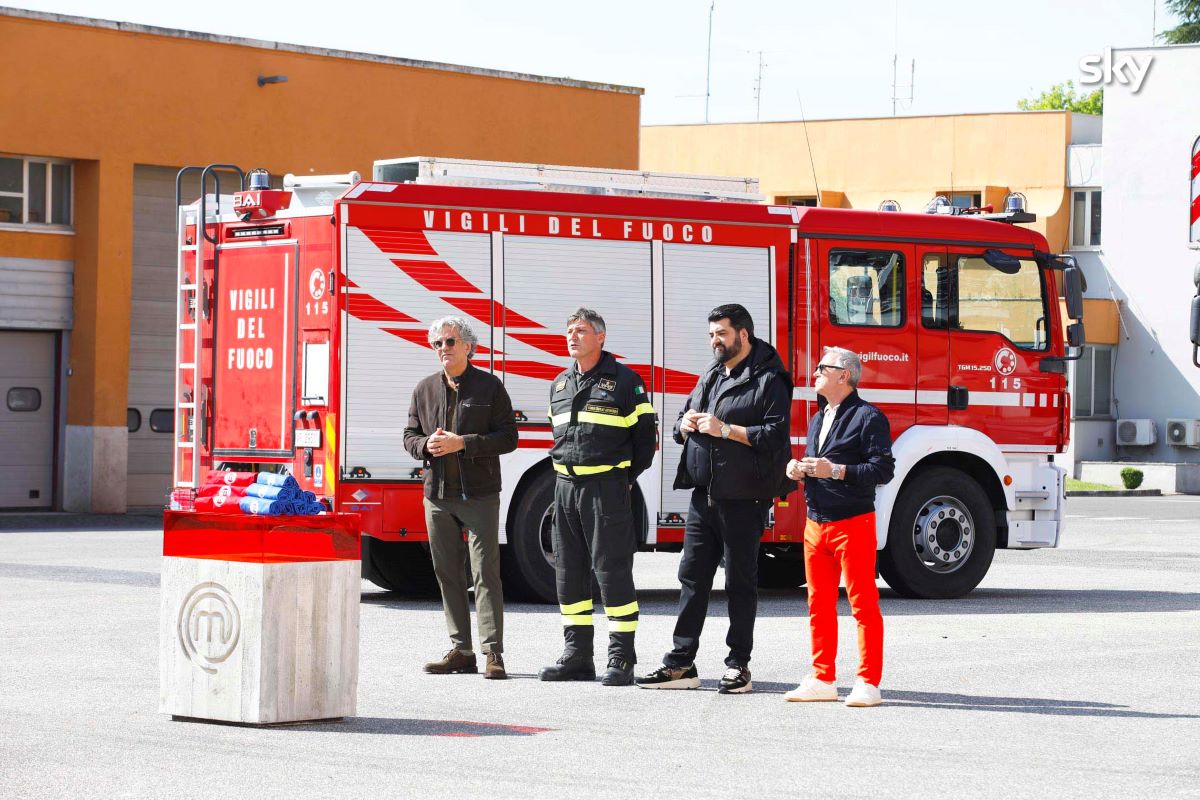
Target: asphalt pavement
[1068,673]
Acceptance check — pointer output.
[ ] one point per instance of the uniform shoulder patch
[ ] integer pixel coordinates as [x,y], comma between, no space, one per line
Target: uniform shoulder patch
[558,387]
[639,389]
[607,384]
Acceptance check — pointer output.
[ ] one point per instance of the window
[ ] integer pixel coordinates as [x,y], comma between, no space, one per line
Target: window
[991,300]
[1091,389]
[22,398]
[964,199]
[808,202]
[162,420]
[133,419]
[1085,218]
[936,280]
[35,192]
[866,287]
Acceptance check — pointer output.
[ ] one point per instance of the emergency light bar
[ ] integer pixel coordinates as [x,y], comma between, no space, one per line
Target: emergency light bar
[560,178]
[291,181]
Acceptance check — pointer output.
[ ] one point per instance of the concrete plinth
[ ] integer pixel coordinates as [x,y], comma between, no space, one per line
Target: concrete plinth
[259,634]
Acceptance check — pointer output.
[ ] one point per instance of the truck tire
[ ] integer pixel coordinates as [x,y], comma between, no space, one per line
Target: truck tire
[404,567]
[527,561]
[941,537]
[780,569]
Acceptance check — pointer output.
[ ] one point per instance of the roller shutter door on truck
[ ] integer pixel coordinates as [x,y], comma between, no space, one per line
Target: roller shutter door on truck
[27,378]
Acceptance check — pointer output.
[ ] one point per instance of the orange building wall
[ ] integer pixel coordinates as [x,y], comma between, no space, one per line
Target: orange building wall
[861,162]
[111,99]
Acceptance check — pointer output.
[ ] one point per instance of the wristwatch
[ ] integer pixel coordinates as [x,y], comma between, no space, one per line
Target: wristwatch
[837,471]
[725,430]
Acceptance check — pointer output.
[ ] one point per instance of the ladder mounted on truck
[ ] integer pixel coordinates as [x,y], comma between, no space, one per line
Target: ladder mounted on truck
[194,301]
[556,178]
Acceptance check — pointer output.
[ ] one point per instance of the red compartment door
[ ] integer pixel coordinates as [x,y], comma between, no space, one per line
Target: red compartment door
[254,351]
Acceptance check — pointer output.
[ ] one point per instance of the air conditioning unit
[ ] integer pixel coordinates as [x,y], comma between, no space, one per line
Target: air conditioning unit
[1136,432]
[1183,432]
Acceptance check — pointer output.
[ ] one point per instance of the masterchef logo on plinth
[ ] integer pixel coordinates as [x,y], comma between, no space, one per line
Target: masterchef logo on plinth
[209,625]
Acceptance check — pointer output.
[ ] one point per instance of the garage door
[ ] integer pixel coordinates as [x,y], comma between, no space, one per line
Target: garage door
[27,371]
[152,334]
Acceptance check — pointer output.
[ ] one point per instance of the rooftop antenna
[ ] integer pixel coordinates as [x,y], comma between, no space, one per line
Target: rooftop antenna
[812,165]
[708,70]
[758,89]
[912,66]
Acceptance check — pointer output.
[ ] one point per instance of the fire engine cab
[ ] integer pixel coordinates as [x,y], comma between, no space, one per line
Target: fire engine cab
[304,313]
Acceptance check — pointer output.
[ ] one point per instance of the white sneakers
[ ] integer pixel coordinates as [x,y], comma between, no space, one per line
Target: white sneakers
[863,695]
[812,690]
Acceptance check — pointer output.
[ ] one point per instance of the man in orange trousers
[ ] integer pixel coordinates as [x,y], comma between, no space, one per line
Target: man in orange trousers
[849,453]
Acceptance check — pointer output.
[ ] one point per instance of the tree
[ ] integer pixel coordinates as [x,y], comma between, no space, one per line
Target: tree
[1062,96]
[1188,30]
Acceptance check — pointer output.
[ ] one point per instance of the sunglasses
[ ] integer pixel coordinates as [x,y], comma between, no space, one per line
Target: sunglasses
[823,367]
[438,343]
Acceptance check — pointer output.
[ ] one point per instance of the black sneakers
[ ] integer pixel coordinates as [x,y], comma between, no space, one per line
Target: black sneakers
[736,680]
[671,678]
[619,673]
[570,668]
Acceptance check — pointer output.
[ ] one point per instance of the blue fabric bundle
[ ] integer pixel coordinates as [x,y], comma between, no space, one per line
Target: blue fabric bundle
[277,479]
[264,507]
[273,494]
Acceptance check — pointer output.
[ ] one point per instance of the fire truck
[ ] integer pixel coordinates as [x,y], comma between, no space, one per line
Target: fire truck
[303,316]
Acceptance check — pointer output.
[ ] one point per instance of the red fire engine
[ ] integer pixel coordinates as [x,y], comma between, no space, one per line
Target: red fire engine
[303,316]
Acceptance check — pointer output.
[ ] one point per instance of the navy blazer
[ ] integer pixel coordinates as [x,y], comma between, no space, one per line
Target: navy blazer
[861,440]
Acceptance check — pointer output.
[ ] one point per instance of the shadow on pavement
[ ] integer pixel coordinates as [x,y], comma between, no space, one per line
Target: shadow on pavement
[421,727]
[1021,705]
[773,603]
[49,521]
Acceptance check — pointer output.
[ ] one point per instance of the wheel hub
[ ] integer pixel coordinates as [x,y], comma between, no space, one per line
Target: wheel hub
[546,535]
[943,534]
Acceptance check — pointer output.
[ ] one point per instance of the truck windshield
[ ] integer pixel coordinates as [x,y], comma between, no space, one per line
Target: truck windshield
[1014,305]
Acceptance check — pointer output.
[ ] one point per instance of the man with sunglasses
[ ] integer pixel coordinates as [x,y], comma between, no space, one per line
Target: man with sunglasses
[848,454]
[459,424]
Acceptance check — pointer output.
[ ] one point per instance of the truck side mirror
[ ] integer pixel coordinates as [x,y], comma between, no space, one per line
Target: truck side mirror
[1073,286]
[1195,329]
[1075,334]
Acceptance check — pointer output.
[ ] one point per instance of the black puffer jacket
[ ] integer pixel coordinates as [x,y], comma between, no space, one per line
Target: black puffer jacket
[759,400]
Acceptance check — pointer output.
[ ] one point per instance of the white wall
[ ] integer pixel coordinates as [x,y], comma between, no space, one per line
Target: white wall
[1147,157]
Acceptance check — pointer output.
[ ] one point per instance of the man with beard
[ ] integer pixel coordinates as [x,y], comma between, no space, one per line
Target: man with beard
[735,432]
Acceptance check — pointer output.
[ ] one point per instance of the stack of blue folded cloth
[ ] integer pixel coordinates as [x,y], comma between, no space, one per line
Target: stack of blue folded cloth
[273,494]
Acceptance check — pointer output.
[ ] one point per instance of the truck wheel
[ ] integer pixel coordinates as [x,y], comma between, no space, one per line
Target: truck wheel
[780,569]
[399,567]
[941,538]
[527,561]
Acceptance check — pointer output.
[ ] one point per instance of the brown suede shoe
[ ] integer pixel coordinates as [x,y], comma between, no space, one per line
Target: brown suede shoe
[453,662]
[494,667]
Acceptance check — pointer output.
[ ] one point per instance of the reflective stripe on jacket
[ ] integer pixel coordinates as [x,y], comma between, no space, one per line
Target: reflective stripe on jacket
[602,421]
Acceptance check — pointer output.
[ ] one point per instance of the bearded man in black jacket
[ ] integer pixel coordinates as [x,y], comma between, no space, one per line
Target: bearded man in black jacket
[735,429]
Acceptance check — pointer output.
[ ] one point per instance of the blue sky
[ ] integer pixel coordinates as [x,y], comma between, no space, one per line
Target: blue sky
[835,58]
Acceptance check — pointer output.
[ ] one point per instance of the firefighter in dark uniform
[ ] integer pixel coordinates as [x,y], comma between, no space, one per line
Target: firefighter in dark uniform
[605,434]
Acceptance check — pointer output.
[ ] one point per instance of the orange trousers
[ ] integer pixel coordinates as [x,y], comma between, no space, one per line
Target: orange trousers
[831,550]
